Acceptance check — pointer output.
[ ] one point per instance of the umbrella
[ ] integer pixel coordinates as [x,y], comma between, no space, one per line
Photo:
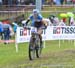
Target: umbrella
[63,15]
[70,14]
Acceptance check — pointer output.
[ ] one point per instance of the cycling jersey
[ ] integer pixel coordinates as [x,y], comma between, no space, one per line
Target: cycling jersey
[35,19]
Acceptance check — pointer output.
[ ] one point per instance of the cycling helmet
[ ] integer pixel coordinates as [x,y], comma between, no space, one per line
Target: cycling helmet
[35,11]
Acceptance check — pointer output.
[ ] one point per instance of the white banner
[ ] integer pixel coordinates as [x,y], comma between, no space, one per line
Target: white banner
[51,33]
[23,35]
[60,32]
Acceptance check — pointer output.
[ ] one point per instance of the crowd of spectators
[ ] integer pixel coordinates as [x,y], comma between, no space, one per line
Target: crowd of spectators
[7,30]
[27,2]
[60,2]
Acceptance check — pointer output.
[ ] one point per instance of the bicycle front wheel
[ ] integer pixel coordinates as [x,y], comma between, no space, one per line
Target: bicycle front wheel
[31,52]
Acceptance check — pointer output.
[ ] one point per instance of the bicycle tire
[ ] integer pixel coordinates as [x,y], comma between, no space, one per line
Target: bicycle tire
[38,48]
[37,53]
[31,53]
[31,49]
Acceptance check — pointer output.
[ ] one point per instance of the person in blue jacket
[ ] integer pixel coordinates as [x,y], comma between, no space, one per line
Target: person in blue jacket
[1,30]
[6,31]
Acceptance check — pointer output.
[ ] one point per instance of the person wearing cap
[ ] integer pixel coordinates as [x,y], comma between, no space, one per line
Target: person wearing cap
[36,21]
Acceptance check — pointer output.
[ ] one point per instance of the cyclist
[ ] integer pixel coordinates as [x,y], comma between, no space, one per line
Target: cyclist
[37,21]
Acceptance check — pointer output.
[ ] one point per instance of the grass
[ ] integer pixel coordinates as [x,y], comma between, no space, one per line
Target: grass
[52,56]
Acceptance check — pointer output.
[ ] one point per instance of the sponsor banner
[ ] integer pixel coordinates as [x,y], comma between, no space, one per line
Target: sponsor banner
[51,33]
[60,32]
[23,35]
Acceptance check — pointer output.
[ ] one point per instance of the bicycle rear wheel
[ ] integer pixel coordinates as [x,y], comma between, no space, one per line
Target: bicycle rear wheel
[38,47]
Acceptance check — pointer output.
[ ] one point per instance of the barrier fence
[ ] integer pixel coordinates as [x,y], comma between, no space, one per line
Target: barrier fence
[51,33]
[15,11]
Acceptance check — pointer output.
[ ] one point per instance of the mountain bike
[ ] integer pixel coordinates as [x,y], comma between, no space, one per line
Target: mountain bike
[35,48]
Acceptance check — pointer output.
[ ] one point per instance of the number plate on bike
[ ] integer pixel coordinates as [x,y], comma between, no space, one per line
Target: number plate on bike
[33,30]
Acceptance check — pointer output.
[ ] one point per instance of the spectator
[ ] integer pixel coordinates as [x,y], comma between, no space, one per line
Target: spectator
[56,21]
[1,30]
[61,23]
[68,1]
[57,2]
[62,1]
[21,2]
[70,17]
[48,22]
[43,1]
[73,1]
[71,21]
[10,2]
[14,26]
[51,18]
[23,22]
[6,31]
[1,2]
[63,17]
[18,2]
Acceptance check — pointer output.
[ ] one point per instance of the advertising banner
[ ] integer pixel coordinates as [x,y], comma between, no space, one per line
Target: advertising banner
[51,33]
[23,35]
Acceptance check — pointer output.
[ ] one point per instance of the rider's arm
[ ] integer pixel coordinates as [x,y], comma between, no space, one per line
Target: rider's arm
[45,22]
[30,18]
[27,21]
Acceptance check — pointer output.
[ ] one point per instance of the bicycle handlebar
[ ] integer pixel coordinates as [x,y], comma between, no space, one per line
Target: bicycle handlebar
[29,27]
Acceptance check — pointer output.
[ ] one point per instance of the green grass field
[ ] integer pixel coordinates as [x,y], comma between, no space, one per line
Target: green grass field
[52,56]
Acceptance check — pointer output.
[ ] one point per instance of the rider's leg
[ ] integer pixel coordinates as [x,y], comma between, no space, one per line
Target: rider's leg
[40,36]
[40,40]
